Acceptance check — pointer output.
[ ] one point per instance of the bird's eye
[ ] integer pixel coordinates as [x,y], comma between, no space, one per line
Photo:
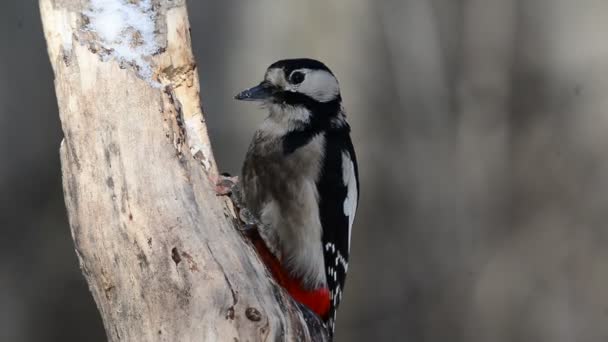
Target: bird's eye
[296,77]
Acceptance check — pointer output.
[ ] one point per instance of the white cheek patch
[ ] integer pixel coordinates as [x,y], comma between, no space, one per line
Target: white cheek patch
[350,202]
[318,84]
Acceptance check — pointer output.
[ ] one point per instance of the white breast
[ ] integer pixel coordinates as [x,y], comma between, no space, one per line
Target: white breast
[294,215]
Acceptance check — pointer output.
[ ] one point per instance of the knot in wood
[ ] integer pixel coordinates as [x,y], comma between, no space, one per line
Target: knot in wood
[253,314]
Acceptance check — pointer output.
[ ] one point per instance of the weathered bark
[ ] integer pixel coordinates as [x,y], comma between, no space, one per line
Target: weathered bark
[158,248]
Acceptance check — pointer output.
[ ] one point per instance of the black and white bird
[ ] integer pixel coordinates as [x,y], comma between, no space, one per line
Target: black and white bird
[300,179]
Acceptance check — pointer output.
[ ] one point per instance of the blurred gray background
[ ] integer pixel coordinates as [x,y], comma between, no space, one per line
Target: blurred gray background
[480,127]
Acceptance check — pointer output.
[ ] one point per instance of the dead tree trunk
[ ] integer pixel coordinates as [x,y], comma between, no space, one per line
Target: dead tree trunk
[158,248]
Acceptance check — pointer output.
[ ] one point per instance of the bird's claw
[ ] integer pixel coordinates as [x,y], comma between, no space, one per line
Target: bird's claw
[250,222]
[224,184]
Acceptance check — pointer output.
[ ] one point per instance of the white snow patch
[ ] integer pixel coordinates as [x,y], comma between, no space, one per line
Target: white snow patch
[127,30]
[194,126]
[66,34]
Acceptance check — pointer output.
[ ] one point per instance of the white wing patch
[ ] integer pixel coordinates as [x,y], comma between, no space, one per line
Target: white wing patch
[350,202]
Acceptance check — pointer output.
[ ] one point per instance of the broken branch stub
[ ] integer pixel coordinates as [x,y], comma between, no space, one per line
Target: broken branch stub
[157,247]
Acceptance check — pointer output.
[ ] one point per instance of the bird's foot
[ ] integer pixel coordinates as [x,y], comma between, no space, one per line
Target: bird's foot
[224,184]
[249,221]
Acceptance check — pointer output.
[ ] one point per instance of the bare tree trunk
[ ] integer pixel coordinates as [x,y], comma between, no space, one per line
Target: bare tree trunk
[158,248]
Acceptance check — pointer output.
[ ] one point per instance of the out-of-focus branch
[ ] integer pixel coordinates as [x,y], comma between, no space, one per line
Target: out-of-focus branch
[158,248]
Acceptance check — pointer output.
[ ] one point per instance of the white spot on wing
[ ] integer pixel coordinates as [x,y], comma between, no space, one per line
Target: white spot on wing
[350,181]
[342,261]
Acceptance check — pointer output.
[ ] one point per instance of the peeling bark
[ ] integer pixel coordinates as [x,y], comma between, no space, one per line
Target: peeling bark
[157,247]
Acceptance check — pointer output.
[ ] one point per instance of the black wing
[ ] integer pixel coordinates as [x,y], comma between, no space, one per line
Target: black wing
[337,208]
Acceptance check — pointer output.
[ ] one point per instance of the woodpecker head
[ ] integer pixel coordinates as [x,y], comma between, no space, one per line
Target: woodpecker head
[298,92]
[295,82]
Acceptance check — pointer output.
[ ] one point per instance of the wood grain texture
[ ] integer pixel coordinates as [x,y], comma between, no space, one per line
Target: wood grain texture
[158,248]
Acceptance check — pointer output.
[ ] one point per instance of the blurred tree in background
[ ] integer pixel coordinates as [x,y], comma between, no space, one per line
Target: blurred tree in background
[480,128]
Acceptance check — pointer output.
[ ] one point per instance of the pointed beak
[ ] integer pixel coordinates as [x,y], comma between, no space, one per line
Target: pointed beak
[258,93]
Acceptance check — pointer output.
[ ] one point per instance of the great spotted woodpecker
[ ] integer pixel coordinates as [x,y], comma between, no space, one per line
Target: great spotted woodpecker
[300,180]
